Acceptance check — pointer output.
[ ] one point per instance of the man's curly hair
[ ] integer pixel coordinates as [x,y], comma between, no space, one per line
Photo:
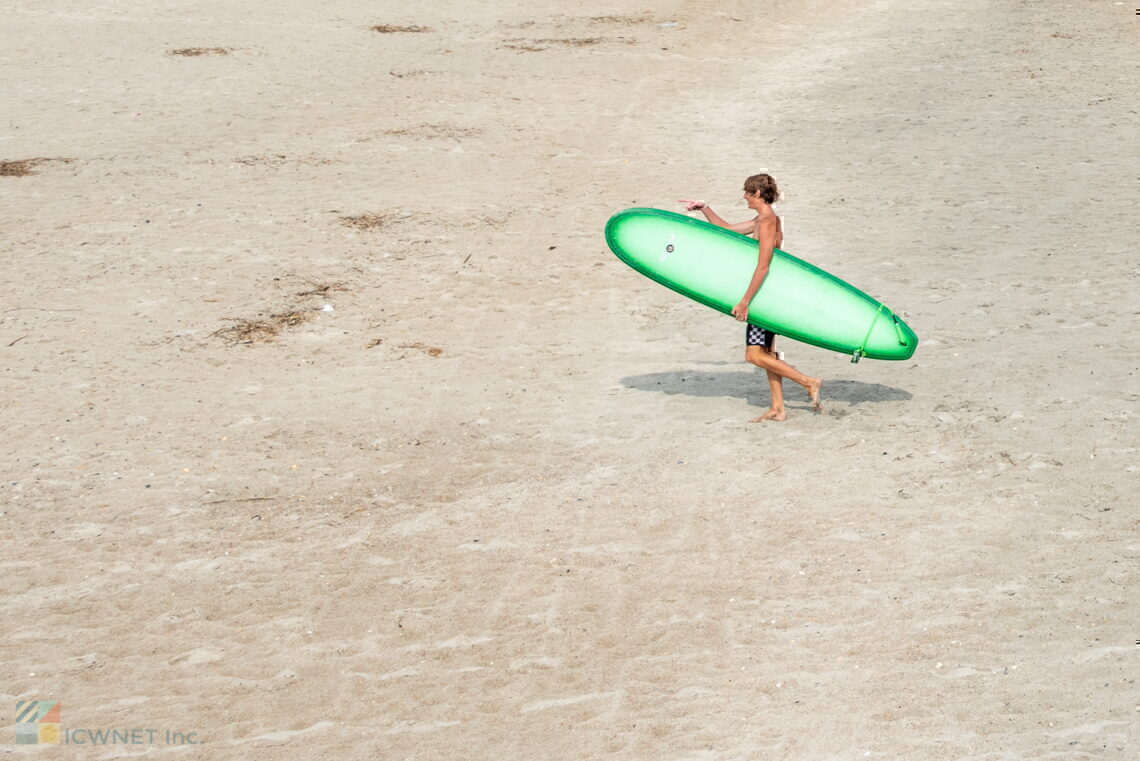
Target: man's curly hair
[763,185]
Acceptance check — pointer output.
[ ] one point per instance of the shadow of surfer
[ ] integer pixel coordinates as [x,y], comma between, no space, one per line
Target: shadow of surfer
[736,384]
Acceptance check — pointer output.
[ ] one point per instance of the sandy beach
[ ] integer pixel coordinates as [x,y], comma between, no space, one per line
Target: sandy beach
[334,430]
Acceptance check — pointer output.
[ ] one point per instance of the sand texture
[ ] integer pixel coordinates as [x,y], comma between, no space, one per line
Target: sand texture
[332,430]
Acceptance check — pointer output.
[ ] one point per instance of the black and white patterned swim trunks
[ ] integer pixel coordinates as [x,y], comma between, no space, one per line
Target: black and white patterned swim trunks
[754,335]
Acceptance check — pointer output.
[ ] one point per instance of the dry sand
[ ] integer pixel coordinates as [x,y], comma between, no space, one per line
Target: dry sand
[501,502]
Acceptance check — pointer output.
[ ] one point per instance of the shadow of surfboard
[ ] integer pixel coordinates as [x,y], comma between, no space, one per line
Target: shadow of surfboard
[753,386]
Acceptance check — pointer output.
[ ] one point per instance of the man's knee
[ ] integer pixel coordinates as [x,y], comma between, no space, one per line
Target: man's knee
[757,355]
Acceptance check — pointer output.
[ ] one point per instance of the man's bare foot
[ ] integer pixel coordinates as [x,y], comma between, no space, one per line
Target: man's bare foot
[813,387]
[778,415]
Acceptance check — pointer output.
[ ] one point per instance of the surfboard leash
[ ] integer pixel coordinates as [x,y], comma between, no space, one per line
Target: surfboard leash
[860,353]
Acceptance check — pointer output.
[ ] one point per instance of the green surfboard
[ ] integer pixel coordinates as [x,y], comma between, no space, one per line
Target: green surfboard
[713,266]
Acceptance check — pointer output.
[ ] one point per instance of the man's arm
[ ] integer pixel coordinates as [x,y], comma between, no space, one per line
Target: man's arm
[767,236]
[740,227]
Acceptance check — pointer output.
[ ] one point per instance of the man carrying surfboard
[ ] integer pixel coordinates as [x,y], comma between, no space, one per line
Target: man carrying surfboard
[760,193]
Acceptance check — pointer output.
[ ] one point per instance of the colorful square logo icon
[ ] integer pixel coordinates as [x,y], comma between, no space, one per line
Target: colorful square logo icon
[37,722]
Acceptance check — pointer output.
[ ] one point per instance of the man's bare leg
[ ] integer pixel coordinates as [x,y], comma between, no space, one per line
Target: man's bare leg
[776,387]
[777,411]
[758,356]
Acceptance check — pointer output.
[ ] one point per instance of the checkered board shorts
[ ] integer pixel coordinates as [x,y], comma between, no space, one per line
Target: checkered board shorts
[755,335]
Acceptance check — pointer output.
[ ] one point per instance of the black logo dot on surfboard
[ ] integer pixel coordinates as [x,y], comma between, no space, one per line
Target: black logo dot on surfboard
[669,248]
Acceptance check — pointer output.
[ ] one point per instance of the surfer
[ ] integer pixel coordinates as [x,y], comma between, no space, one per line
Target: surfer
[760,193]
